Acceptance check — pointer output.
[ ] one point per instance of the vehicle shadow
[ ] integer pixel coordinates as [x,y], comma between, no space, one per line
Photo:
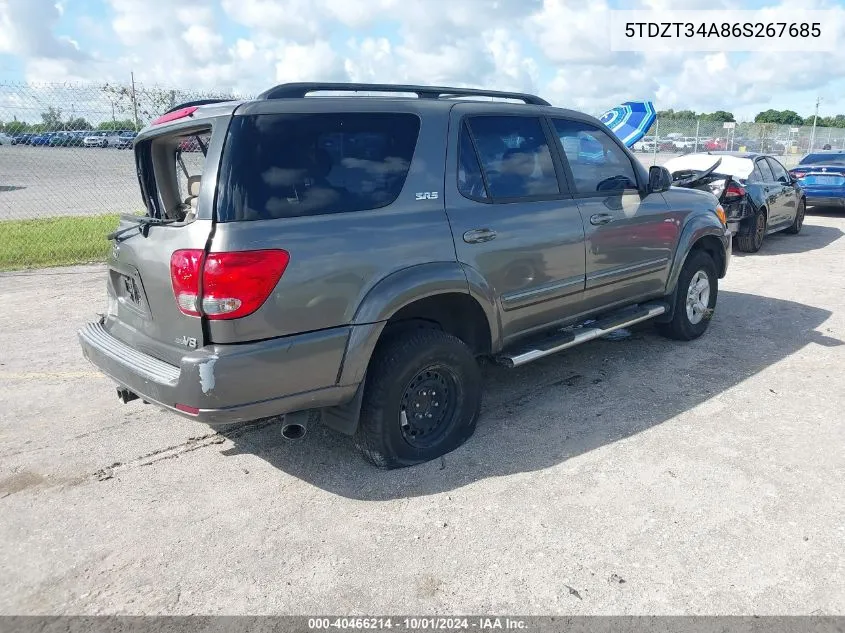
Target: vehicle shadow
[563,406]
[826,211]
[812,237]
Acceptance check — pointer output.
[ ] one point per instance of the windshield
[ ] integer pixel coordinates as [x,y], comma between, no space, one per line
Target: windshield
[823,159]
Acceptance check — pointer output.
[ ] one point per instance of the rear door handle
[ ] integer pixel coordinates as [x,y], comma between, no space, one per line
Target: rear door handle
[601,218]
[477,236]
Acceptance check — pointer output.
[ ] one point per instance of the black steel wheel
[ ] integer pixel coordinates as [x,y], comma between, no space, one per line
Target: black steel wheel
[421,399]
[428,406]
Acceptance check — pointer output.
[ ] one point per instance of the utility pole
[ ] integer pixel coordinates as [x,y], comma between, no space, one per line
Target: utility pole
[134,101]
[815,118]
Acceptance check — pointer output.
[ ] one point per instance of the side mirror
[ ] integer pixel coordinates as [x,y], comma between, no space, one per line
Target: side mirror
[659,179]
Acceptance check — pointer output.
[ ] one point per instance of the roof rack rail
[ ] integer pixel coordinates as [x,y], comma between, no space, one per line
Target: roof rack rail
[200,102]
[300,90]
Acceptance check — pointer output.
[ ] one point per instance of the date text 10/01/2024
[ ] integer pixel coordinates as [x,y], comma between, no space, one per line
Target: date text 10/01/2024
[417,624]
[724,29]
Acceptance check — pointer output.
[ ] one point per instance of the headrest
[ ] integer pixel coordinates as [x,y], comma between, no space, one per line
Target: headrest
[194,185]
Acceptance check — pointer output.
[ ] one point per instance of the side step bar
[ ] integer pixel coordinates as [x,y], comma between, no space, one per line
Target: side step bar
[571,337]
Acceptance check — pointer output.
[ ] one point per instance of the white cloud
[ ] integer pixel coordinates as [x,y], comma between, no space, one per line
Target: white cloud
[314,62]
[557,48]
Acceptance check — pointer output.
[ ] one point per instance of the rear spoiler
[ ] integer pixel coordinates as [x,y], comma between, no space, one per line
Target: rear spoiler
[199,102]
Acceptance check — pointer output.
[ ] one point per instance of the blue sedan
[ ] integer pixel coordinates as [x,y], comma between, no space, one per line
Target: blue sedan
[822,177]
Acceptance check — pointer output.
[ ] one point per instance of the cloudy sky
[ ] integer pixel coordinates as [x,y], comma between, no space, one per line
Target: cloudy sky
[557,48]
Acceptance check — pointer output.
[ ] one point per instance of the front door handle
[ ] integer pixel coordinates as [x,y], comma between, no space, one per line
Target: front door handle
[477,236]
[601,218]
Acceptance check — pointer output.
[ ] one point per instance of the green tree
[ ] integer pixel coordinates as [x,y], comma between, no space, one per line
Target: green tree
[680,115]
[719,116]
[780,117]
[52,119]
[120,124]
[78,123]
[17,127]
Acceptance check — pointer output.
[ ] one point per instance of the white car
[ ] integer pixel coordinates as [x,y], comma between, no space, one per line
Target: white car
[5,139]
[101,139]
[687,144]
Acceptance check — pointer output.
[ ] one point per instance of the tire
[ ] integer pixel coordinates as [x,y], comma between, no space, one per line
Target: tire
[798,222]
[689,322]
[423,370]
[752,243]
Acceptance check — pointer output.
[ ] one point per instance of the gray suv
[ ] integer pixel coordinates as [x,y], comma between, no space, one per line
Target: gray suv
[346,259]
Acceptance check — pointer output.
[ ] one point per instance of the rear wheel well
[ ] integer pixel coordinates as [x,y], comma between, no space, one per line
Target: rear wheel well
[455,313]
[713,247]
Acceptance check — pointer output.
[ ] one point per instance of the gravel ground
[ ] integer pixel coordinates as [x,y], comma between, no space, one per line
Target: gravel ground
[40,182]
[639,476]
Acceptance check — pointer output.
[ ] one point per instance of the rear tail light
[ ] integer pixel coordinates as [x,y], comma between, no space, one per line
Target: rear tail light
[734,191]
[798,174]
[234,284]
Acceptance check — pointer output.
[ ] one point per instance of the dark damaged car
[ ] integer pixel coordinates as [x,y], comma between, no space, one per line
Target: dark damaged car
[758,194]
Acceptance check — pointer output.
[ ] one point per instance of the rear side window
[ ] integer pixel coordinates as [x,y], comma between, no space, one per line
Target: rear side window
[765,170]
[470,180]
[515,156]
[292,165]
[598,164]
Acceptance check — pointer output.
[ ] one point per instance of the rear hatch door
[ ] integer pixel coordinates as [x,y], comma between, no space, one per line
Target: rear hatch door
[142,309]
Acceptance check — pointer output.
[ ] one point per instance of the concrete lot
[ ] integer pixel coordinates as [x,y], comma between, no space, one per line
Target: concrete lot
[39,182]
[634,476]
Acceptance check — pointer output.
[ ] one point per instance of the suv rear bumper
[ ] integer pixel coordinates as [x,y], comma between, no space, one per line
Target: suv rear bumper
[226,384]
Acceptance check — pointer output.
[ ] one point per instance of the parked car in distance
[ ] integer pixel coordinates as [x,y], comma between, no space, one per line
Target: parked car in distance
[715,145]
[5,139]
[482,229]
[125,140]
[22,138]
[66,139]
[101,138]
[758,194]
[687,144]
[645,144]
[41,139]
[821,175]
[189,144]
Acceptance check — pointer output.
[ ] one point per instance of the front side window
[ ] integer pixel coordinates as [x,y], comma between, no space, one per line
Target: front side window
[292,165]
[515,156]
[777,170]
[598,164]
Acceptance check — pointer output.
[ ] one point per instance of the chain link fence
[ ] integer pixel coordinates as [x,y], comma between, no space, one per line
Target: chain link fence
[66,170]
[673,137]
